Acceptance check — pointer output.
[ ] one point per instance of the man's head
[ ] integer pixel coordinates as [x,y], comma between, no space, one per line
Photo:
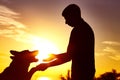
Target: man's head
[72,14]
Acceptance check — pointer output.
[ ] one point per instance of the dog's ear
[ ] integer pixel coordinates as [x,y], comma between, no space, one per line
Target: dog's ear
[13,52]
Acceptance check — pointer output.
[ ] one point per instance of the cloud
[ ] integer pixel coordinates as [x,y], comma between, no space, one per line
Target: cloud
[10,27]
[111,43]
[111,50]
[100,53]
[8,18]
[7,12]
[115,57]
[112,53]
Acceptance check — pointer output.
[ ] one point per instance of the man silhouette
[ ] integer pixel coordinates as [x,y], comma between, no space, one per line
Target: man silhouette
[80,48]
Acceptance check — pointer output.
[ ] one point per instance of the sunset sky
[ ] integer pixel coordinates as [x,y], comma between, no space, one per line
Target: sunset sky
[37,24]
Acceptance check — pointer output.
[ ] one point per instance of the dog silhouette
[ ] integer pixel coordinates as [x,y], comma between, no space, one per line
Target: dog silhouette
[18,68]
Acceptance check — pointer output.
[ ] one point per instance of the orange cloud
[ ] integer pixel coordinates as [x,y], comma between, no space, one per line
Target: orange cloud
[111,43]
[12,28]
[111,49]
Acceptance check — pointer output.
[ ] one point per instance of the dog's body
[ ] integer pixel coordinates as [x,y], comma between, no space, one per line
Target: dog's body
[18,69]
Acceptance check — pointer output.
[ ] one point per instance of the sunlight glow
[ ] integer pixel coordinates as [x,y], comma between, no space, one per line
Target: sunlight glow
[45,48]
[43,78]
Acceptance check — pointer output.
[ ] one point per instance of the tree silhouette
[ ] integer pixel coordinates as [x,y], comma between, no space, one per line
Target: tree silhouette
[113,75]
[67,77]
[109,76]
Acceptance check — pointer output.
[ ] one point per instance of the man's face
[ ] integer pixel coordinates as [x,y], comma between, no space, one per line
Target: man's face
[69,21]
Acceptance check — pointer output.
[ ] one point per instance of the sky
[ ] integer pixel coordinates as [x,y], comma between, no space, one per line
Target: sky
[27,23]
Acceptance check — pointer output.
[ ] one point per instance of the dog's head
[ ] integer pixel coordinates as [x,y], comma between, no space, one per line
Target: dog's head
[26,55]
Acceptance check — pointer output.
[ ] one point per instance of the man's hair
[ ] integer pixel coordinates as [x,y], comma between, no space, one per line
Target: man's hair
[71,10]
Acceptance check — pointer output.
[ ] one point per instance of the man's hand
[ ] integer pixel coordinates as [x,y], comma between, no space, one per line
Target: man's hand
[42,66]
[51,58]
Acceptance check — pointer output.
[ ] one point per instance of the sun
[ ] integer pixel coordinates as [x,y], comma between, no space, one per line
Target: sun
[43,78]
[45,48]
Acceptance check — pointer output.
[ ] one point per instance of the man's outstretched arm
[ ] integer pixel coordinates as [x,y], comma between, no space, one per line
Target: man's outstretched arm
[60,59]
